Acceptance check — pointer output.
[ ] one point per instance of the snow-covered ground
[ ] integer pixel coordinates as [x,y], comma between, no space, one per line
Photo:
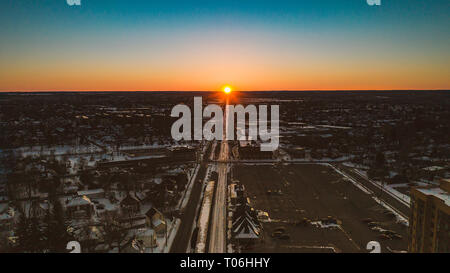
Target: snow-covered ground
[172,228]
[348,178]
[58,150]
[354,165]
[192,176]
[320,224]
[390,189]
[203,219]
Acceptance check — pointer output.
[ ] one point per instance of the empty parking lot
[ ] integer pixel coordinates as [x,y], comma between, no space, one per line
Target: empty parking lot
[293,192]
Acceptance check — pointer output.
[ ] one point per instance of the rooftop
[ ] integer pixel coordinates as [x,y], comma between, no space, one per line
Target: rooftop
[437,192]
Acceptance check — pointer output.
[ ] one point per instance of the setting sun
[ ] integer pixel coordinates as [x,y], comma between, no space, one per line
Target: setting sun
[227,89]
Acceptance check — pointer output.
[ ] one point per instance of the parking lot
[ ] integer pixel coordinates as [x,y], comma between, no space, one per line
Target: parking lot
[317,209]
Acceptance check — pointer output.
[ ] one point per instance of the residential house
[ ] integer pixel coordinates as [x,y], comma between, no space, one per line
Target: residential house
[79,207]
[156,220]
[130,205]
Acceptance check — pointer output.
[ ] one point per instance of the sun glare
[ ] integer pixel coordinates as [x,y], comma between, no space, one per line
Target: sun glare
[227,90]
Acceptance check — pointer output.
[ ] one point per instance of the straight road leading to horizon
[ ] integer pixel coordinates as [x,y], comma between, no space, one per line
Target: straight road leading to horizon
[218,226]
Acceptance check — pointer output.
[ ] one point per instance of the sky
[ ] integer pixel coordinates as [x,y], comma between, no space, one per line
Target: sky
[145,45]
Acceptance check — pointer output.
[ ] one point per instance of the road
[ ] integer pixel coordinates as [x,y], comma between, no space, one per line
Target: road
[217,235]
[182,239]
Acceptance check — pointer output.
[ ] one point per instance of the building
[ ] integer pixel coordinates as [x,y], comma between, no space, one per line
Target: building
[430,219]
[131,222]
[145,239]
[92,194]
[246,227]
[38,209]
[297,152]
[155,219]
[182,153]
[251,151]
[79,207]
[130,205]
[6,217]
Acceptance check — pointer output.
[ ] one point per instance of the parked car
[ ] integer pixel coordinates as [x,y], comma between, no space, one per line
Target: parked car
[384,237]
[378,229]
[389,213]
[330,221]
[303,222]
[280,229]
[389,232]
[276,234]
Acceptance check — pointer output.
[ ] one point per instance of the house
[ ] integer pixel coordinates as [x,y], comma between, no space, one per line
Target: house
[246,230]
[263,216]
[146,238]
[131,222]
[6,221]
[39,209]
[79,207]
[246,227]
[96,193]
[6,217]
[130,205]
[144,241]
[156,220]
[105,208]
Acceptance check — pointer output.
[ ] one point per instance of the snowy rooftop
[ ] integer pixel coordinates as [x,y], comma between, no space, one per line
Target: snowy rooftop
[78,201]
[433,168]
[5,216]
[437,192]
[145,232]
[89,192]
[107,204]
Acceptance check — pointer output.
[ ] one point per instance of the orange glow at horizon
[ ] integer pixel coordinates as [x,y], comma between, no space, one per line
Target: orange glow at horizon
[203,69]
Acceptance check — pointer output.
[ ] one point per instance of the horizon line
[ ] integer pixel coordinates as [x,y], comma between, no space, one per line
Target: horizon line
[279,90]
